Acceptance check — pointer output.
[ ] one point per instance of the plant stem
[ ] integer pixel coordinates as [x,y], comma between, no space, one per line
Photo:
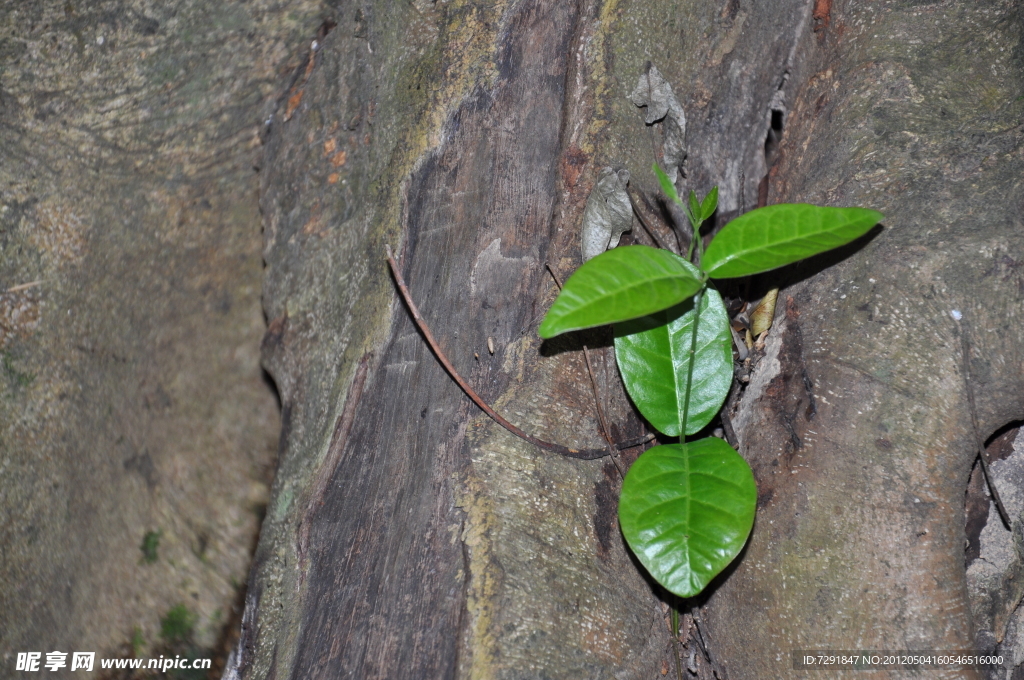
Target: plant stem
[696,240]
[675,642]
[648,218]
[697,299]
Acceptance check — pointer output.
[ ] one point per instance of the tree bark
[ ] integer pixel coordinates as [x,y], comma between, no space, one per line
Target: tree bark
[406,534]
[858,423]
[421,540]
[137,432]
[409,536]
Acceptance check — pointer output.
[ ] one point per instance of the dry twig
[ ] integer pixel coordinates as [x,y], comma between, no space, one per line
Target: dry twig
[24,286]
[982,453]
[582,454]
[605,432]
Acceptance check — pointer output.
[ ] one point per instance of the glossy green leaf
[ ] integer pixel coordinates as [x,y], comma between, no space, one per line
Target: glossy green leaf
[653,354]
[667,187]
[620,284]
[695,210]
[778,235]
[686,511]
[709,204]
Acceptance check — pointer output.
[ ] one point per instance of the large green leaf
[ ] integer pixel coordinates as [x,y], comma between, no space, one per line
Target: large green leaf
[686,511]
[620,284]
[653,354]
[777,235]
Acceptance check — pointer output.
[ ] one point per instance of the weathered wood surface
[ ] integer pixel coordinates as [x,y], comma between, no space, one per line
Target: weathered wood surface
[857,422]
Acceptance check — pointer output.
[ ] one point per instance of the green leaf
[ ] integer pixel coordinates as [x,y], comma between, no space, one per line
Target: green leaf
[695,210]
[653,354]
[709,204]
[686,511]
[666,184]
[620,284]
[777,235]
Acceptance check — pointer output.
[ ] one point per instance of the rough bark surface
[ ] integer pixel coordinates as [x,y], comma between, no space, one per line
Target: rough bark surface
[421,512]
[408,535]
[857,423]
[131,396]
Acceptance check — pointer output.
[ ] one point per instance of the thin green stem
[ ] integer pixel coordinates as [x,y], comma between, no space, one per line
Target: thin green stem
[697,299]
[675,642]
[696,240]
[693,239]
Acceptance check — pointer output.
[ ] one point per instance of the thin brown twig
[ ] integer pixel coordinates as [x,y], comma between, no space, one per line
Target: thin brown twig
[635,200]
[605,432]
[982,453]
[582,454]
[695,613]
[705,644]
[24,286]
[551,271]
[735,392]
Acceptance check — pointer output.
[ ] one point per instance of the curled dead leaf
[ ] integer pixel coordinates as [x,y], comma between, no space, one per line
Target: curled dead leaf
[761,319]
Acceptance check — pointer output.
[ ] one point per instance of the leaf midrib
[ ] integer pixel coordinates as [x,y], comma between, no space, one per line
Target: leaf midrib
[697,349]
[748,249]
[689,496]
[773,248]
[587,305]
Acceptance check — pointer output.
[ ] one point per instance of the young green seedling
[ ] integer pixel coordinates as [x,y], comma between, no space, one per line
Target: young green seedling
[686,509]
